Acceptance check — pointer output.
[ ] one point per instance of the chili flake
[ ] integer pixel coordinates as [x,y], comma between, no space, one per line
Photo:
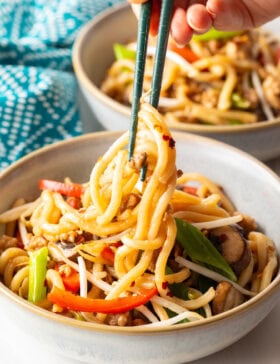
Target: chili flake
[171,141]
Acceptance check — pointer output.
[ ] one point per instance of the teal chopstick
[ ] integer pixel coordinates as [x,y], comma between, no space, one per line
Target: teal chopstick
[159,60]
[142,41]
[161,47]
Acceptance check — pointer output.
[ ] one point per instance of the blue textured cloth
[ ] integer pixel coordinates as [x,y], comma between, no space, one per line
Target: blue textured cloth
[37,85]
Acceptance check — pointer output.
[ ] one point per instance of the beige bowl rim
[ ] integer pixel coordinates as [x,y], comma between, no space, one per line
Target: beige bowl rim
[255,301]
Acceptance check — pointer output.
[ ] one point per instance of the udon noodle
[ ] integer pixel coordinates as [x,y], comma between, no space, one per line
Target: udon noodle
[236,77]
[121,251]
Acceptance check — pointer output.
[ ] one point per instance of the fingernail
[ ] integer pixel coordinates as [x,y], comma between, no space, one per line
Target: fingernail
[178,44]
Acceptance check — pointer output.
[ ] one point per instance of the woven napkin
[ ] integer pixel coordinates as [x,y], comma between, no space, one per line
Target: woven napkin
[38,103]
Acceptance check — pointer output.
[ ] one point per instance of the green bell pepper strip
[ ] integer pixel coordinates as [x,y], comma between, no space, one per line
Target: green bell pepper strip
[215,34]
[37,274]
[122,52]
[204,283]
[239,102]
[234,122]
[201,250]
[181,291]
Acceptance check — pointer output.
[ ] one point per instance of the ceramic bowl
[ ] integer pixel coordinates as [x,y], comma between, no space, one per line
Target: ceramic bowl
[93,55]
[243,178]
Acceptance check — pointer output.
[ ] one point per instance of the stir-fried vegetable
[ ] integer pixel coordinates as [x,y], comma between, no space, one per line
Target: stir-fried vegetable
[190,189]
[66,189]
[71,280]
[201,250]
[239,102]
[108,254]
[70,301]
[186,52]
[123,52]
[37,275]
[215,34]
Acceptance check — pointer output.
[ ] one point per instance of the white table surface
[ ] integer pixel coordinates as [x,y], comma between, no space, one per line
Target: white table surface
[261,346]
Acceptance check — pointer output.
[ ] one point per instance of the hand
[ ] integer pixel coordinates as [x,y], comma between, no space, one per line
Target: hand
[198,16]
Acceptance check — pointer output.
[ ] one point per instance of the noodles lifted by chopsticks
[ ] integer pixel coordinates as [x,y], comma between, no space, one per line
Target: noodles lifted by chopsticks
[120,251]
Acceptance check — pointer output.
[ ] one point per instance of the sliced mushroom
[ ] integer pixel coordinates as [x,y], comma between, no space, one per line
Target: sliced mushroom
[233,246]
[226,298]
[248,224]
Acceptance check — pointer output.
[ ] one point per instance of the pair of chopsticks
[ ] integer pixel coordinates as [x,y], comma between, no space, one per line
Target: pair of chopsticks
[159,60]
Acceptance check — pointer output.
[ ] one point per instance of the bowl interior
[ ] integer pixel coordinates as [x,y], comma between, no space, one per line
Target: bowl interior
[93,55]
[106,30]
[250,184]
[253,188]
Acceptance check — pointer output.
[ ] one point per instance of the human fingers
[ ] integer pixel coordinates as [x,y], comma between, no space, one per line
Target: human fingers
[229,15]
[181,31]
[137,1]
[188,16]
[199,19]
[156,4]
[135,6]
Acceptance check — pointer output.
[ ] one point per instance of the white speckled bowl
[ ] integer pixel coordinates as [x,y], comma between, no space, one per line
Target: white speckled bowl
[254,189]
[93,55]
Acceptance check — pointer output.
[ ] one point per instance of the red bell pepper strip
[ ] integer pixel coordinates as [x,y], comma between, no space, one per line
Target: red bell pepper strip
[74,202]
[73,302]
[190,189]
[71,281]
[108,254]
[67,189]
[186,52]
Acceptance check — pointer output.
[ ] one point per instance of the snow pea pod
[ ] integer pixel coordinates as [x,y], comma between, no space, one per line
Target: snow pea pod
[201,250]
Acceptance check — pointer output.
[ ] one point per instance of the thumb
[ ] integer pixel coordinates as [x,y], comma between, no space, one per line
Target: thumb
[229,14]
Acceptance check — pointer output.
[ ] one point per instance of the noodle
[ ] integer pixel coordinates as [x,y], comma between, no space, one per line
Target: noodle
[237,78]
[118,241]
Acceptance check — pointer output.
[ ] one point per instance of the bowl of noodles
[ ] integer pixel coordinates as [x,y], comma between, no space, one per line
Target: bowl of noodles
[173,248]
[224,85]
